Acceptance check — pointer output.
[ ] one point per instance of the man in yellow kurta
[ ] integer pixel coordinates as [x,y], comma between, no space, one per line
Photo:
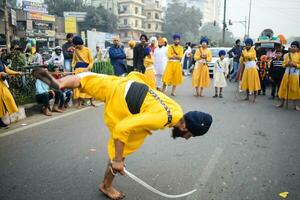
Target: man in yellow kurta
[250,77]
[201,77]
[82,62]
[289,87]
[7,102]
[173,73]
[132,111]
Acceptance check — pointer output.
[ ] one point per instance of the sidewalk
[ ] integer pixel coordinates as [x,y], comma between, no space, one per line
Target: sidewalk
[34,116]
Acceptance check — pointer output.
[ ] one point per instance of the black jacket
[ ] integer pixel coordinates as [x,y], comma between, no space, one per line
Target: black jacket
[67,54]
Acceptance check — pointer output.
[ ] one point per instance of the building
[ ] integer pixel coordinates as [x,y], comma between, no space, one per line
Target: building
[110,5]
[131,17]
[154,18]
[211,9]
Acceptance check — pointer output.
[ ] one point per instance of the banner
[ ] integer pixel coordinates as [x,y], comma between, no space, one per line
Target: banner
[70,25]
[34,6]
[41,17]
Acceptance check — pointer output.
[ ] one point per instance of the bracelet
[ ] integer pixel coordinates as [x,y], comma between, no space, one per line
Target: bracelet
[117,160]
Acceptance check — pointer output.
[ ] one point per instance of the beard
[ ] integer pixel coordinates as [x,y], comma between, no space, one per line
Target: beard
[176,132]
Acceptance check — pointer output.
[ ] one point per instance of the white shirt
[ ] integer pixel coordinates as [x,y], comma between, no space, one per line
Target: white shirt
[56,60]
[187,51]
[160,59]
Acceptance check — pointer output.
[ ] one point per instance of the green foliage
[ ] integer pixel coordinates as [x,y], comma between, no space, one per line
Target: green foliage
[182,20]
[98,18]
[214,34]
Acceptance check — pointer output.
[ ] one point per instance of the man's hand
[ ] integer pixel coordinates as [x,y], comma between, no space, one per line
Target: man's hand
[118,166]
[52,92]
[3,74]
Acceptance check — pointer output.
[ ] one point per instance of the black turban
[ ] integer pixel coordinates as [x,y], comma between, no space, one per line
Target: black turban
[296,43]
[77,40]
[197,122]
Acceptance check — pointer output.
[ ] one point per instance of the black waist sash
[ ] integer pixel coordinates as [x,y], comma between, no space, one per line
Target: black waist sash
[136,96]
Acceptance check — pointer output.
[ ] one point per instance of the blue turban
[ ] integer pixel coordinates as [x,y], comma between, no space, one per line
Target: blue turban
[296,43]
[222,53]
[147,51]
[197,122]
[204,39]
[77,40]
[176,36]
[249,41]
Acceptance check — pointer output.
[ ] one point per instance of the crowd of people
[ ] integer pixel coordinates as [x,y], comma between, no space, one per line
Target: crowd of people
[163,64]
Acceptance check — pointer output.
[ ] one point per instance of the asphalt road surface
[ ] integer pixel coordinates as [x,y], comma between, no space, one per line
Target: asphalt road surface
[251,152]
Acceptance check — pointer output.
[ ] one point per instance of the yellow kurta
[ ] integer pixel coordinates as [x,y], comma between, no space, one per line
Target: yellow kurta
[289,87]
[201,72]
[87,57]
[173,71]
[130,129]
[150,72]
[7,102]
[250,79]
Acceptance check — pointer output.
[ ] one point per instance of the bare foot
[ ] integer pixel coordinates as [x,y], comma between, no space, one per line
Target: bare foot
[111,192]
[56,109]
[173,94]
[246,99]
[297,108]
[195,94]
[93,105]
[279,105]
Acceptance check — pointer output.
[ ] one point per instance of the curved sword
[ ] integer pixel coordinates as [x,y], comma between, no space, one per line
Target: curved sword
[141,182]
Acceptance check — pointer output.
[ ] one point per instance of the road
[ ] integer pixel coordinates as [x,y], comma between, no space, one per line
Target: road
[251,152]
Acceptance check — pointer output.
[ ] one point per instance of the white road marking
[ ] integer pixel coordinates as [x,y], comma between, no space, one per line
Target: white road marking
[206,172]
[45,121]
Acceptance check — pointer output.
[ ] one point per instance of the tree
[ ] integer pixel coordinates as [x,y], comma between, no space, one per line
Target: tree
[214,34]
[98,18]
[182,20]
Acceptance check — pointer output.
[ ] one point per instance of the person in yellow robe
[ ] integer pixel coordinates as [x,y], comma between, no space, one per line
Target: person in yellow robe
[250,77]
[132,111]
[173,73]
[289,87]
[149,65]
[82,62]
[7,102]
[201,77]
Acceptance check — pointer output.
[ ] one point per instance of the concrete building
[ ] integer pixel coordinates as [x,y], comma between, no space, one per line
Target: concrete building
[154,18]
[211,9]
[131,17]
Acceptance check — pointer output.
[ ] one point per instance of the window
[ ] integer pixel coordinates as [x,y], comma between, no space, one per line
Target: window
[149,14]
[156,26]
[126,34]
[149,26]
[136,23]
[125,7]
[156,16]
[136,10]
[125,22]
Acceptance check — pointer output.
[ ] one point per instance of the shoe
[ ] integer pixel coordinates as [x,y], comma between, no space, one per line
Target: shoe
[221,96]
[272,98]
[215,96]
[43,75]
[66,105]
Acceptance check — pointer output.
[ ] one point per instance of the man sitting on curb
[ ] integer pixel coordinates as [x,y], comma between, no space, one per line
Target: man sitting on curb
[43,95]
[132,111]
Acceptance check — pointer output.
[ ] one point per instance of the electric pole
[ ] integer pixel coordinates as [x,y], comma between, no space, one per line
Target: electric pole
[6,24]
[224,24]
[249,18]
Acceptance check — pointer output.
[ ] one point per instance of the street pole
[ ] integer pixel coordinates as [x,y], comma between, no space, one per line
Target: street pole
[249,19]
[6,25]
[224,24]
[245,27]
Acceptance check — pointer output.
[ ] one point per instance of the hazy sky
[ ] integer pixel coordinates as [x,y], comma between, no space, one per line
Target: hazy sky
[280,15]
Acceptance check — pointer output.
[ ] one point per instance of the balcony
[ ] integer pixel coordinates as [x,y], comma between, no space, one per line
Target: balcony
[137,2]
[154,20]
[130,27]
[127,14]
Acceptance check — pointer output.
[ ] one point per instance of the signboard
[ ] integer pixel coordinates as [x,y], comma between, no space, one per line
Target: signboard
[13,17]
[98,39]
[28,24]
[80,16]
[70,24]
[35,6]
[41,17]
[50,33]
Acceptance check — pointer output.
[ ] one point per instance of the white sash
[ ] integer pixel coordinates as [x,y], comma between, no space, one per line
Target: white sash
[250,64]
